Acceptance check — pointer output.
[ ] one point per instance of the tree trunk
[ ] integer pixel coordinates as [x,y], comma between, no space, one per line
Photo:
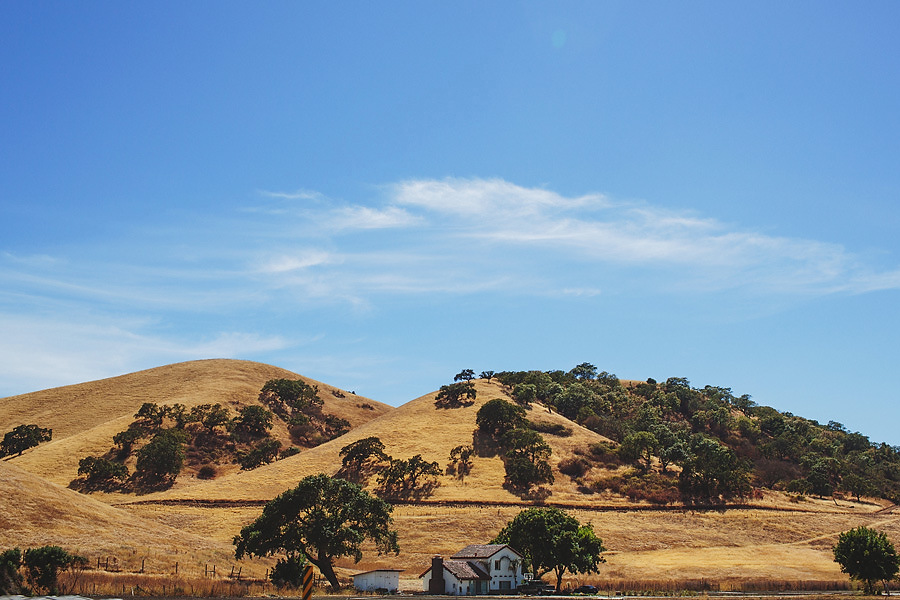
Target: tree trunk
[326,569]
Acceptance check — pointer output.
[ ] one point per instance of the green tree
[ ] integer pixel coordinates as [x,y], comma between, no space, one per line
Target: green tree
[23,437]
[42,567]
[461,460]
[262,453]
[252,422]
[323,518]
[464,375]
[150,416]
[858,485]
[552,540]
[638,446]
[125,440]
[575,397]
[210,416]
[712,471]
[10,577]
[293,394]
[357,458]
[525,393]
[163,457]
[672,447]
[412,477]
[101,471]
[585,371]
[456,395]
[487,375]
[497,416]
[526,459]
[866,555]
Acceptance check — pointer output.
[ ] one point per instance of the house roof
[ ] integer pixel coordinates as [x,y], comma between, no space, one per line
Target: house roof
[483,551]
[463,569]
[380,571]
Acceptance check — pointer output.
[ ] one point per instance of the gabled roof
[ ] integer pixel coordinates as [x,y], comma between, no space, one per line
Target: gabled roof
[483,551]
[463,569]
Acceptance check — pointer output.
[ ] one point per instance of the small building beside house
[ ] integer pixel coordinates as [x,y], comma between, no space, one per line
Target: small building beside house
[475,570]
[378,580]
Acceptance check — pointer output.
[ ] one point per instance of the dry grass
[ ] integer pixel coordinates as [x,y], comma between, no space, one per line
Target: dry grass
[34,512]
[779,544]
[86,416]
[96,583]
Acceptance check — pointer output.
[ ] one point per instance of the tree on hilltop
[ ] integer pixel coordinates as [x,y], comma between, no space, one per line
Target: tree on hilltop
[465,375]
[456,395]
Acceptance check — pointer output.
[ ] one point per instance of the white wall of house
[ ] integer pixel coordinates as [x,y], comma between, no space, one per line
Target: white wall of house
[377,580]
[506,570]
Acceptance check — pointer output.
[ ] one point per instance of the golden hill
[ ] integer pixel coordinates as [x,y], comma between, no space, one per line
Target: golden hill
[34,512]
[773,539]
[85,417]
[417,427]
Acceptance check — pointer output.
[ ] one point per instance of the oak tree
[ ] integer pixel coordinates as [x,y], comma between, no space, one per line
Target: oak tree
[323,518]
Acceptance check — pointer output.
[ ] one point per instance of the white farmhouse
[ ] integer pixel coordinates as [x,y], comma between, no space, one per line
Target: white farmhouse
[475,570]
[378,580]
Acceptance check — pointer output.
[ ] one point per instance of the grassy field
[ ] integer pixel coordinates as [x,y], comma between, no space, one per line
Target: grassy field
[776,541]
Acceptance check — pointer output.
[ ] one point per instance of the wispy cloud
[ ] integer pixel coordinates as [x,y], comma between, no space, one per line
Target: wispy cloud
[94,310]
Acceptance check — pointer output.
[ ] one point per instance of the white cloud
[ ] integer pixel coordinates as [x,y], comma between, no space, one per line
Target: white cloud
[365,217]
[39,352]
[300,194]
[286,263]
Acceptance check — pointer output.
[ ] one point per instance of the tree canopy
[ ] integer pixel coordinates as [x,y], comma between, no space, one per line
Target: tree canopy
[552,540]
[497,416]
[23,437]
[323,518]
[866,555]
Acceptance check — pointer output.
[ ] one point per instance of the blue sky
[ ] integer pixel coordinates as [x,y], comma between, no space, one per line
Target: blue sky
[378,195]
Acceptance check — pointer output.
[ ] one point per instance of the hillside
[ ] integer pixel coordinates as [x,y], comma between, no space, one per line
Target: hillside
[773,534]
[85,417]
[34,512]
[417,427]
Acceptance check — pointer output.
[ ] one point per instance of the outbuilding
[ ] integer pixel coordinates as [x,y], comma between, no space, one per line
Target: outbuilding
[386,580]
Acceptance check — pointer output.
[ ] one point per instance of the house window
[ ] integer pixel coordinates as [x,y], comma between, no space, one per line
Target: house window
[497,564]
[504,585]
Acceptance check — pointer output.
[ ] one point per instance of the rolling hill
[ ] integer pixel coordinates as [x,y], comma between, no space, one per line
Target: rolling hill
[775,536]
[85,417]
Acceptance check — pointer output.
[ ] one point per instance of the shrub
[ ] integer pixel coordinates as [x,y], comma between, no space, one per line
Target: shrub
[10,578]
[288,571]
[557,429]
[206,472]
[263,453]
[42,566]
[574,467]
